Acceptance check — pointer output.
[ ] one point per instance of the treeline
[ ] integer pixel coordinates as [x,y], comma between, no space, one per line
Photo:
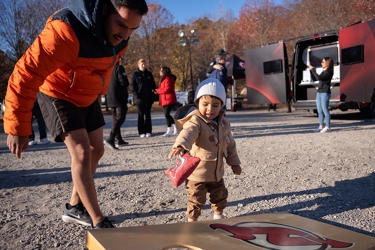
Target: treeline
[259,22]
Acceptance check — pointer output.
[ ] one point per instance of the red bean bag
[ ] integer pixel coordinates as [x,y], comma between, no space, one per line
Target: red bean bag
[183,169]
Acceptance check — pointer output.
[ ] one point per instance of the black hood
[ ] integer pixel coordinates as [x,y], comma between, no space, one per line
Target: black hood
[90,14]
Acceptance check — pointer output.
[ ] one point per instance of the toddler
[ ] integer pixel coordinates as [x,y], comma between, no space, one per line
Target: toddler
[206,134]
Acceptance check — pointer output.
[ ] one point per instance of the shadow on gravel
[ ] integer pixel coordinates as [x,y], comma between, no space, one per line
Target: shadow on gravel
[274,130]
[346,195]
[45,176]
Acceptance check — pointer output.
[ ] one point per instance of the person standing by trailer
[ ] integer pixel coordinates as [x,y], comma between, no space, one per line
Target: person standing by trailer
[167,98]
[117,99]
[70,65]
[324,93]
[143,85]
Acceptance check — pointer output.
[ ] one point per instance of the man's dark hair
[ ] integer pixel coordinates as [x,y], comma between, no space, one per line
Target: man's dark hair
[139,6]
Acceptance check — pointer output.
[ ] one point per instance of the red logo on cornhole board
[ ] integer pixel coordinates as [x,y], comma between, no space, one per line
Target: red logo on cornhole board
[278,237]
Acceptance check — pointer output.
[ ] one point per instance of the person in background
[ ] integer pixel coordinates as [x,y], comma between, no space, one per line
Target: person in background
[143,86]
[217,69]
[70,65]
[272,106]
[205,133]
[117,100]
[41,126]
[323,94]
[167,98]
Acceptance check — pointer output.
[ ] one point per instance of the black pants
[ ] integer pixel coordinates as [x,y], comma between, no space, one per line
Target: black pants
[118,118]
[41,124]
[144,118]
[167,111]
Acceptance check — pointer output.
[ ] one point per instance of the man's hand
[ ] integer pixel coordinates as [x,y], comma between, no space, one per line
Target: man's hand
[218,67]
[236,169]
[17,144]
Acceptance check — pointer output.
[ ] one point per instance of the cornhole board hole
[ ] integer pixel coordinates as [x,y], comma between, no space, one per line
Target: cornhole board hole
[264,231]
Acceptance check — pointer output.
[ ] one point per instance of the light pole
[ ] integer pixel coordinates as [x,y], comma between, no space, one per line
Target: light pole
[186,40]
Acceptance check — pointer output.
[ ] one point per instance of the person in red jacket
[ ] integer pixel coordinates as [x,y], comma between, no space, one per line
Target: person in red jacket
[167,97]
[70,64]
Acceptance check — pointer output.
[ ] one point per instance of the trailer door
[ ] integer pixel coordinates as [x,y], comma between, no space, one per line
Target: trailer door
[266,74]
[357,62]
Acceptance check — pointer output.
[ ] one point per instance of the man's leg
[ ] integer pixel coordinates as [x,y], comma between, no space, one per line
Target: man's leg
[85,151]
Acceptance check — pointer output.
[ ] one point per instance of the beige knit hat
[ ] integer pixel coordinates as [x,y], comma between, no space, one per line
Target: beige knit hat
[212,87]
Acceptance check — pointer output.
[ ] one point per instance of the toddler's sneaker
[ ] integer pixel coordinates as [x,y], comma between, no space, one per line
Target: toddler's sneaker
[44,141]
[325,129]
[76,214]
[105,223]
[32,143]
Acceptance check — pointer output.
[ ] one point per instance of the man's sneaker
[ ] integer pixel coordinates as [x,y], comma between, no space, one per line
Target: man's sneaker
[142,135]
[76,214]
[44,141]
[110,144]
[148,135]
[120,143]
[105,223]
[32,143]
[325,129]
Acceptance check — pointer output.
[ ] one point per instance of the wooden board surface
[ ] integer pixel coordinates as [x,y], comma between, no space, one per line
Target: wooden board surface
[265,231]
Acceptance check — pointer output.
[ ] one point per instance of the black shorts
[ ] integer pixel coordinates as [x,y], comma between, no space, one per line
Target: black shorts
[63,116]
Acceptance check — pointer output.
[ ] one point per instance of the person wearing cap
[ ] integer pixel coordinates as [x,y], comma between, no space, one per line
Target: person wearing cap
[217,68]
[206,133]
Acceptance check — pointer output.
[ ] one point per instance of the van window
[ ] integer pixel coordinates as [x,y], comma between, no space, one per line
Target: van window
[352,55]
[273,67]
[317,54]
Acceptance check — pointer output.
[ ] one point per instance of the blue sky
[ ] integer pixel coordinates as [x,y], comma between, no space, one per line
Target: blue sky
[184,10]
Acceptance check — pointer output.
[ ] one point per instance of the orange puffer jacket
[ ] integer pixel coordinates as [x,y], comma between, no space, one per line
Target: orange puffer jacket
[68,60]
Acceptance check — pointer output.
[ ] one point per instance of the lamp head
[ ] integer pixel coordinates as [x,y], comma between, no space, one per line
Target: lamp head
[181,33]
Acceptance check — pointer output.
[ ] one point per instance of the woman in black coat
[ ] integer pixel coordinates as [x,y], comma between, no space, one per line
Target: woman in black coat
[143,85]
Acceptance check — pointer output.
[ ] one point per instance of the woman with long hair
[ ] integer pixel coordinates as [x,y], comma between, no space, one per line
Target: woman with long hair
[167,97]
[324,93]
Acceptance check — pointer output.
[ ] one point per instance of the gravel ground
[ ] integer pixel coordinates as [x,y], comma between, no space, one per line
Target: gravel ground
[326,177]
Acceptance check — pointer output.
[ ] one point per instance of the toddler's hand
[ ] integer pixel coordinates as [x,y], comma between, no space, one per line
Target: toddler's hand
[176,151]
[236,169]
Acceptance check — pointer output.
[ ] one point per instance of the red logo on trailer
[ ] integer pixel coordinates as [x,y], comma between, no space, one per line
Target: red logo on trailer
[278,237]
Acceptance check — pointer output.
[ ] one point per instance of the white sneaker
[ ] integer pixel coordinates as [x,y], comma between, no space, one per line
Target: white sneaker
[32,143]
[218,217]
[148,135]
[325,129]
[44,141]
[167,134]
[142,135]
[175,132]
[317,130]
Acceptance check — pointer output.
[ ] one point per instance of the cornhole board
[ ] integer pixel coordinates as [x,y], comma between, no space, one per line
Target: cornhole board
[264,231]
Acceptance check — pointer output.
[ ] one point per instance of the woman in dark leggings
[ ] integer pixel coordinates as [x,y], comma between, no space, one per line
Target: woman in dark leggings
[167,98]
